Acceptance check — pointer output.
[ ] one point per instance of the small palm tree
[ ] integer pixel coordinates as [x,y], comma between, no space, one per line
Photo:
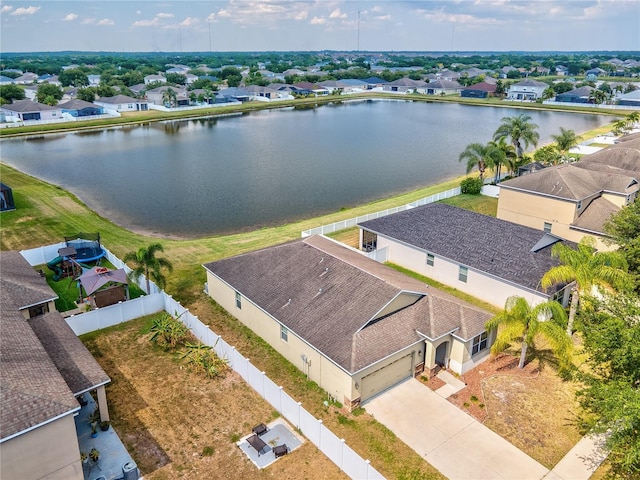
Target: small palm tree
[521,322]
[520,130]
[586,268]
[482,156]
[147,264]
[508,157]
[565,140]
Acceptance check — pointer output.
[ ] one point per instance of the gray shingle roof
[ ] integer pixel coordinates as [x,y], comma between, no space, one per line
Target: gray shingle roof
[480,242]
[25,287]
[26,106]
[327,295]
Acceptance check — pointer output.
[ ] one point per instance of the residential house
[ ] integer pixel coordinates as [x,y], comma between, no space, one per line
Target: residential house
[94,80]
[577,95]
[27,110]
[122,103]
[350,324]
[157,95]
[80,108]
[527,89]
[575,200]
[446,74]
[294,71]
[443,87]
[5,80]
[631,99]
[312,88]
[45,367]
[26,78]
[374,83]
[234,94]
[265,94]
[406,85]
[190,78]
[483,256]
[562,71]
[155,78]
[479,90]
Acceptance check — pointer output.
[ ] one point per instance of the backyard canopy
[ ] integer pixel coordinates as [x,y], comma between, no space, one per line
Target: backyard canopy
[96,277]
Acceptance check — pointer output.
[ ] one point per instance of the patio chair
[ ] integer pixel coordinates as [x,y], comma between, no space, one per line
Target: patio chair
[281,450]
[260,429]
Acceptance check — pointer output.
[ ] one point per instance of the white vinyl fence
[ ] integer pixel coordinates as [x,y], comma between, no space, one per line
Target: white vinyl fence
[352,222]
[327,442]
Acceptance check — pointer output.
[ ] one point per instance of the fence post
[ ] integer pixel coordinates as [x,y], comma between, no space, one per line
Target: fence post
[320,434]
[342,454]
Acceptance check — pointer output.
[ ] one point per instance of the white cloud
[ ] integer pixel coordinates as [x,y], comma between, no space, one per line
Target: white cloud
[146,23]
[164,15]
[301,15]
[105,22]
[318,21]
[138,12]
[25,11]
[6,8]
[224,13]
[211,17]
[337,14]
[189,22]
[70,17]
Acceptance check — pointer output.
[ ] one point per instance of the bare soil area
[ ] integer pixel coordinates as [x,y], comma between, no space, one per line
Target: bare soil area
[178,424]
[532,407]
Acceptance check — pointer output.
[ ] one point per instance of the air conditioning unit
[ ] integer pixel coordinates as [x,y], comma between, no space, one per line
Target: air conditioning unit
[130,471]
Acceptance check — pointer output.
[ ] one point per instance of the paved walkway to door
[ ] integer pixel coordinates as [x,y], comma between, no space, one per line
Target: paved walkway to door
[452,441]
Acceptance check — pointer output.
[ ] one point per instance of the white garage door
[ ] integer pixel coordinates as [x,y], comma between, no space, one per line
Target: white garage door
[386,377]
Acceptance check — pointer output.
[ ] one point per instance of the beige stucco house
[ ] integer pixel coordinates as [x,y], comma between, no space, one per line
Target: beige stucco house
[44,367]
[352,325]
[483,256]
[575,200]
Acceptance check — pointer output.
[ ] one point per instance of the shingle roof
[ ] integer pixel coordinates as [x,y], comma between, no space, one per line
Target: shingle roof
[530,83]
[483,87]
[487,244]
[25,287]
[75,363]
[596,215]
[25,106]
[327,295]
[117,99]
[77,104]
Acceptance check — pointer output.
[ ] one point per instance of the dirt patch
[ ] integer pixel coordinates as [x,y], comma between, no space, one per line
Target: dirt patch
[177,424]
[69,204]
[532,407]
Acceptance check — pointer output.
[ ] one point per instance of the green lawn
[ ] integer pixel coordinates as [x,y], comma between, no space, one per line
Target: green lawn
[477,203]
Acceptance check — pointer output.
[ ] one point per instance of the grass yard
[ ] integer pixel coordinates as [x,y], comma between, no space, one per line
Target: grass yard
[475,203]
[177,424]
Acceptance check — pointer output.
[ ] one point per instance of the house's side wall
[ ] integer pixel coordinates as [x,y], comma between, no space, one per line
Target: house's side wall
[318,368]
[461,360]
[487,288]
[49,452]
[616,199]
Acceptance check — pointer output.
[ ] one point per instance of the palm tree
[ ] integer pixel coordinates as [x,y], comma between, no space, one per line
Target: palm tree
[585,267]
[521,322]
[620,127]
[482,156]
[548,155]
[597,96]
[508,157]
[565,140]
[169,96]
[520,130]
[548,93]
[632,119]
[147,264]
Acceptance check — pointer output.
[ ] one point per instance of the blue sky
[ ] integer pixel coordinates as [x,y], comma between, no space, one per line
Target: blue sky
[284,25]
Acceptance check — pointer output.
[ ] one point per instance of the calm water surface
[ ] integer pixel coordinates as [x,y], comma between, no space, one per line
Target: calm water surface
[212,176]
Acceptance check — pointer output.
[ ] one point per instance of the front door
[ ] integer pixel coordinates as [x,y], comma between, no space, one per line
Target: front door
[441,354]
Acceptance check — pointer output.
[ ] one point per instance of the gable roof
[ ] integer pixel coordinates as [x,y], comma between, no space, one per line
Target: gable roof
[595,215]
[118,99]
[483,87]
[23,285]
[337,300]
[26,105]
[499,248]
[77,104]
[529,83]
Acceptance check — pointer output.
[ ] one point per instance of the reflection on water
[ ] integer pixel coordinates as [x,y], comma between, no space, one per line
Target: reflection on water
[238,172]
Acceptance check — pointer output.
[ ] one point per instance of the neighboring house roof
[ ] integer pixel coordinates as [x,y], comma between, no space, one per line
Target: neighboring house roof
[578,92]
[408,82]
[77,104]
[483,87]
[118,99]
[25,287]
[335,299]
[530,83]
[444,84]
[499,248]
[26,105]
[596,215]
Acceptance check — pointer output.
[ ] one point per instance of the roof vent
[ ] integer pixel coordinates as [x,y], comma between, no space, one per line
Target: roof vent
[326,270]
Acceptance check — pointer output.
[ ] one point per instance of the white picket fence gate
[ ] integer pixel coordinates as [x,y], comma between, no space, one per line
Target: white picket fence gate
[325,440]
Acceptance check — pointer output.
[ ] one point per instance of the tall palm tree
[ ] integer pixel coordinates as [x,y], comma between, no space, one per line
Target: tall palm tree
[565,140]
[520,130]
[508,157]
[519,321]
[585,267]
[482,156]
[147,264]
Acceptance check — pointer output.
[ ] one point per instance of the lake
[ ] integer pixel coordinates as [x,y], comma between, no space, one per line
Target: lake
[208,176]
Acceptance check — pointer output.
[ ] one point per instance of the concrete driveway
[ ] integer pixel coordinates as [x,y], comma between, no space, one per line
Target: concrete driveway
[452,441]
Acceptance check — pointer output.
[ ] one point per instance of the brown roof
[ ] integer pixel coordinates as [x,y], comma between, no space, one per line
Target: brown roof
[596,215]
[333,297]
[22,283]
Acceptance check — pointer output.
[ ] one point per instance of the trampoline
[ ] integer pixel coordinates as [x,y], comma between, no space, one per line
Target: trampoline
[87,247]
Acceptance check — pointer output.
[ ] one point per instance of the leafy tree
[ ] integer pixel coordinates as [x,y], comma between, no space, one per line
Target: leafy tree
[624,228]
[585,267]
[565,140]
[73,76]
[146,263]
[520,130]
[562,87]
[11,92]
[548,155]
[176,78]
[46,90]
[500,89]
[521,322]
[611,394]
[87,94]
[105,90]
[482,156]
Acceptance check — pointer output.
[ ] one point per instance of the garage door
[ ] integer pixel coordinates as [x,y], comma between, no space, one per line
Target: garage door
[386,377]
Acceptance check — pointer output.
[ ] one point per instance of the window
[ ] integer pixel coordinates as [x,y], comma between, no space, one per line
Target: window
[284,333]
[238,300]
[463,272]
[430,259]
[547,227]
[479,343]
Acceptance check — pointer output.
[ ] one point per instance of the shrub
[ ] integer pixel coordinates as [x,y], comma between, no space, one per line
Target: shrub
[168,332]
[203,359]
[471,185]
